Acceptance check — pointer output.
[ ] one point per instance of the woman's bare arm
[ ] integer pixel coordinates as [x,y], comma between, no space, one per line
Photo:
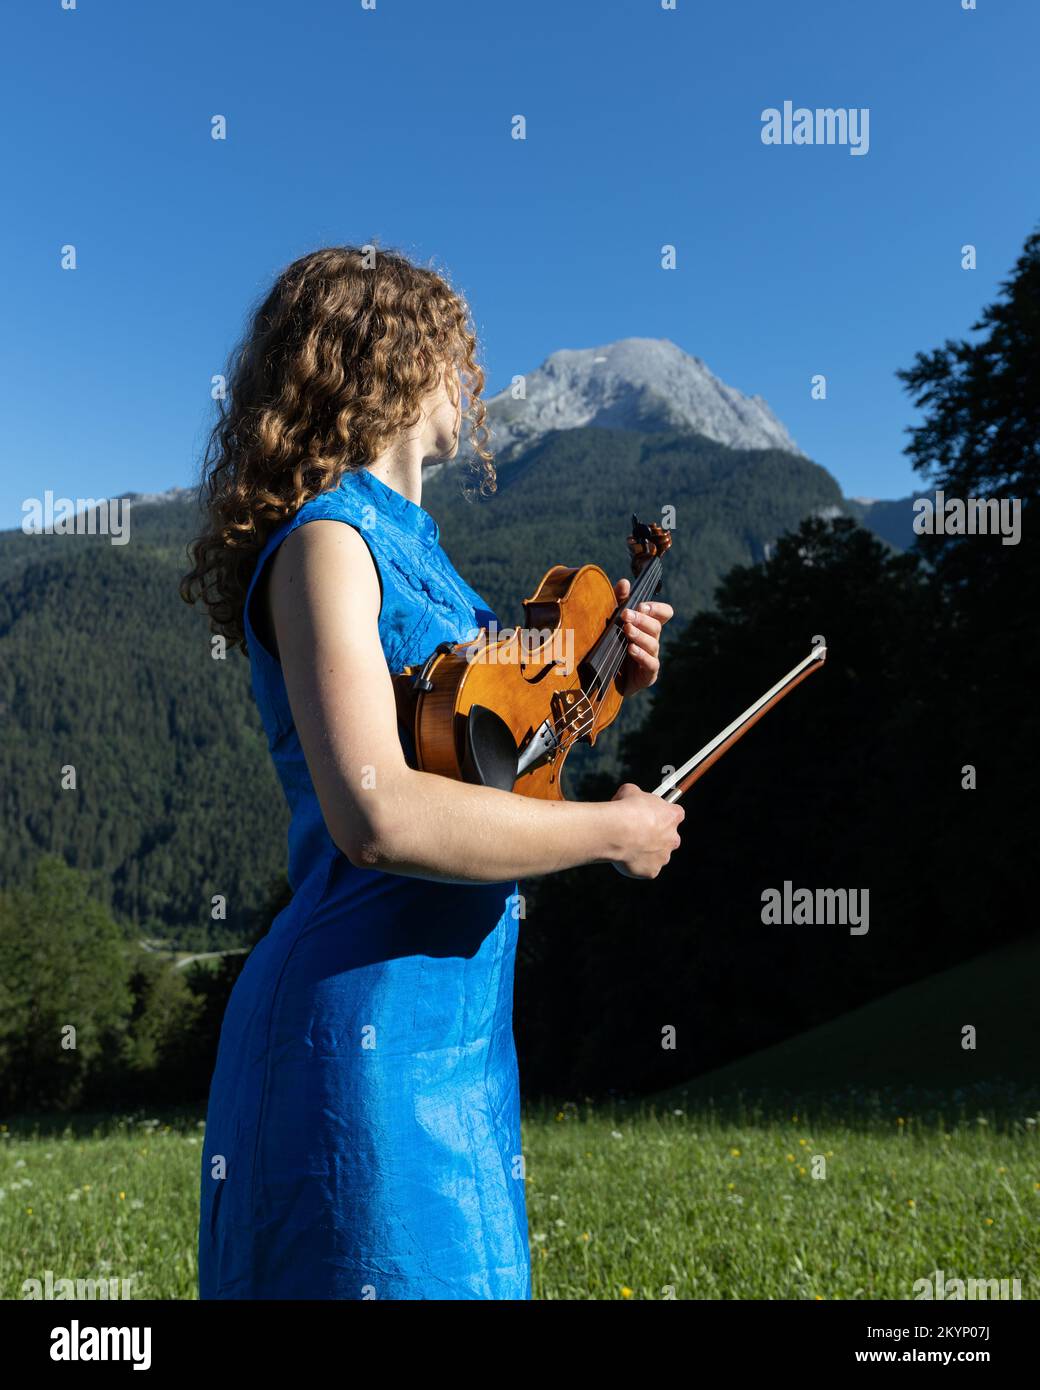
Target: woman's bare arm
[323,596]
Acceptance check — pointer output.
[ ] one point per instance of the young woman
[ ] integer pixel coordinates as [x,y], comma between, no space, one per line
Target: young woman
[363,1134]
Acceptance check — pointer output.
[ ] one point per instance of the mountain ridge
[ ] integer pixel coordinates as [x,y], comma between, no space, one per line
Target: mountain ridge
[645,384]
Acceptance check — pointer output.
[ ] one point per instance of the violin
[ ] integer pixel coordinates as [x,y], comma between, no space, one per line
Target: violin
[504,709]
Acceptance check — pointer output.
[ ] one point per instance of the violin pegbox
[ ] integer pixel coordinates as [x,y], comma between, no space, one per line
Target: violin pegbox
[647,542]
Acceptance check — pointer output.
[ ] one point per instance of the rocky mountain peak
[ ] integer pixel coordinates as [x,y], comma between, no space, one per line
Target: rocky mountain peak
[646,384]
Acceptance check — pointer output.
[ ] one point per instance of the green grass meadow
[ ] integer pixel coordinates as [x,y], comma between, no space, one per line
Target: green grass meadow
[745,1204]
[623,1203]
[731,1187]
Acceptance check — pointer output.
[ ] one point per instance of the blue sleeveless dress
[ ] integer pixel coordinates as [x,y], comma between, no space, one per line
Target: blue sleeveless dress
[363,1131]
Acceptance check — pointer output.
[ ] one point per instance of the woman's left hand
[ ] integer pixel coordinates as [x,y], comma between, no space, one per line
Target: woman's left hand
[643,630]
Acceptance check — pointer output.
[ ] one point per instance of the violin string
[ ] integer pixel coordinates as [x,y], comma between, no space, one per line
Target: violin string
[617,637]
[617,646]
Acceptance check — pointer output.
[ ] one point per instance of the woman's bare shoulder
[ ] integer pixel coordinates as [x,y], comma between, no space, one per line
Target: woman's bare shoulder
[319,564]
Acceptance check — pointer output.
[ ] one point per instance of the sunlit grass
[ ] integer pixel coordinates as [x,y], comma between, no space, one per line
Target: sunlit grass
[625,1202]
[119,1202]
[705,1206]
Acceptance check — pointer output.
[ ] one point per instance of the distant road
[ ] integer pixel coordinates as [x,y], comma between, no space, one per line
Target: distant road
[189,960]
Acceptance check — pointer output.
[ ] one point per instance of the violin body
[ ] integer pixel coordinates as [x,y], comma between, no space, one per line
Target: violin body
[504,709]
[523,675]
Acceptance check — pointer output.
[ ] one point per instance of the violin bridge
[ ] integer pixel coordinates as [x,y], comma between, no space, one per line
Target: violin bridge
[572,715]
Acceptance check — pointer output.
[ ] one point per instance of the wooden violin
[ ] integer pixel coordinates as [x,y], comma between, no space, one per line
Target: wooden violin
[505,709]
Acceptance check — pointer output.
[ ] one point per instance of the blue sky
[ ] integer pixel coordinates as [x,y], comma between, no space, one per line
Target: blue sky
[643,128]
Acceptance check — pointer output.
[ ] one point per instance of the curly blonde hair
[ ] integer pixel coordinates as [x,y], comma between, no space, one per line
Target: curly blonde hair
[334,365]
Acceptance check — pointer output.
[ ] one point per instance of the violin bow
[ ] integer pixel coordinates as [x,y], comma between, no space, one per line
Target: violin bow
[683,778]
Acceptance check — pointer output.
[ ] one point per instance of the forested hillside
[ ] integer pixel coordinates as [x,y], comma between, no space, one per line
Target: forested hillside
[106,676]
[106,673]
[569,501]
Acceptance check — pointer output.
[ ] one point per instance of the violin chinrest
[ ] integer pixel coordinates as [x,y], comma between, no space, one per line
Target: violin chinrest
[490,756]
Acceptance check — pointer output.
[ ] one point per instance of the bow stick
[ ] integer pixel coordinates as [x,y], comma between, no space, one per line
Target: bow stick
[684,777]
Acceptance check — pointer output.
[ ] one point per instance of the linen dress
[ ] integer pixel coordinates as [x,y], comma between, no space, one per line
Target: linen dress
[363,1130]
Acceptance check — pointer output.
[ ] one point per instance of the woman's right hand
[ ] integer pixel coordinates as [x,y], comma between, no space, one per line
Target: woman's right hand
[650,831]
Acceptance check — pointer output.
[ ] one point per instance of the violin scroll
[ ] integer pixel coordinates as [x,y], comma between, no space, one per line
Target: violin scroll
[647,542]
